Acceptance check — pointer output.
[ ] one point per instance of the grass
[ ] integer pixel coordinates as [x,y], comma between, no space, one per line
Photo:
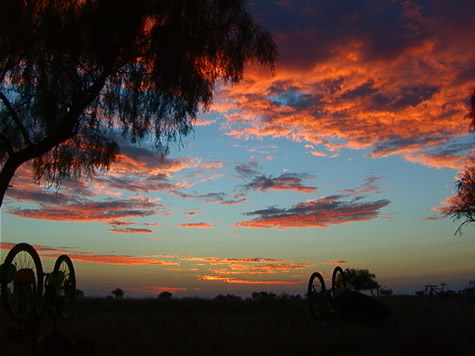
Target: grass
[417,326]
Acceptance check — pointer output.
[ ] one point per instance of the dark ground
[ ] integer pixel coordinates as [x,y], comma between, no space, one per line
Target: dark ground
[417,326]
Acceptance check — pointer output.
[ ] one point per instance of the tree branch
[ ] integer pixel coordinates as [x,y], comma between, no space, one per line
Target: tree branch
[7,144]
[15,117]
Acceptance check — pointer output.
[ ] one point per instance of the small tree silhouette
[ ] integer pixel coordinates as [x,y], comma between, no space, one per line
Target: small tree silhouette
[462,205]
[361,279]
[165,295]
[118,293]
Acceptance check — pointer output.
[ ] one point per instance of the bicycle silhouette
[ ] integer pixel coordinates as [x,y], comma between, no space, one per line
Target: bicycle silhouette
[22,280]
[322,301]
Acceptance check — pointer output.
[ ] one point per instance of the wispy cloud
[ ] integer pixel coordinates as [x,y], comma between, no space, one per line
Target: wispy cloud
[228,260]
[107,198]
[200,225]
[219,198]
[87,210]
[321,212]
[130,230]
[78,256]
[236,268]
[286,181]
[248,281]
[341,262]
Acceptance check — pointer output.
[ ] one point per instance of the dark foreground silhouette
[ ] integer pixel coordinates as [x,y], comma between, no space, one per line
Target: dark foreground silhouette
[361,308]
[231,326]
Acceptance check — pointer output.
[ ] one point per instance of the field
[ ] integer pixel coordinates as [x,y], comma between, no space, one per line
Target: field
[230,326]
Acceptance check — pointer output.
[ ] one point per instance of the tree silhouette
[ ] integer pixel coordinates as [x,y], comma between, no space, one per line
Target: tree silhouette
[361,280]
[75,74]
[165,295]
[463,203]
[118,293]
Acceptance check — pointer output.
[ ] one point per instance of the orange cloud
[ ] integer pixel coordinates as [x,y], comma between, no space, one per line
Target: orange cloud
[183,269]
[118,260]
[133,160]
[263,269]
[342,262]
[243,281]
[217,260]
[77,201]
[354,85]
[321,212]
[151,290]
[77,256]
[437,160]
[197,225]
[106,211]
[152,224]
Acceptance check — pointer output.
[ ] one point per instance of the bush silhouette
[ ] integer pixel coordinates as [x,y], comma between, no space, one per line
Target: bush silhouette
[118,293]
[165,295]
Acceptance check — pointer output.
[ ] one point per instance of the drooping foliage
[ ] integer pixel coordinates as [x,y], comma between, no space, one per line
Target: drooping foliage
[73,73]
[462,205]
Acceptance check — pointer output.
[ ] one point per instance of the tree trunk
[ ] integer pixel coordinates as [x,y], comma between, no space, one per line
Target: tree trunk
[63,133]
[6,175]
[17,159]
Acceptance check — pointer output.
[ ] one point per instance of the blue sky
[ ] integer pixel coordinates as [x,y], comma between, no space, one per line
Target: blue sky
[344,155]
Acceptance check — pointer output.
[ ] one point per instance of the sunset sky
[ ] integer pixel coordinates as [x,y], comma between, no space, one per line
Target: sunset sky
[343,156]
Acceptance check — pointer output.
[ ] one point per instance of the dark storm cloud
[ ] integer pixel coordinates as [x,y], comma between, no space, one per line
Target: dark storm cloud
[315,30]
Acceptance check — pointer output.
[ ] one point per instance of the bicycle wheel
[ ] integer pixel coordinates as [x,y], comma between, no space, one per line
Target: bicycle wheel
[317,296]
[338,279]
[64,283]
[22,283]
